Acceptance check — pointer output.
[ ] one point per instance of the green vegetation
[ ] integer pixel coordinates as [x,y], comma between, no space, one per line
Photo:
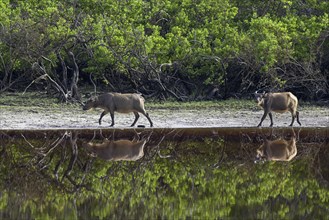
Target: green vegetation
[182,49]
[225,104]
[212,178]
[30,99]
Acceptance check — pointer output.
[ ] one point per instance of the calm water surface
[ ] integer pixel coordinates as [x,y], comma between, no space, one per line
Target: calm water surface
[188,173]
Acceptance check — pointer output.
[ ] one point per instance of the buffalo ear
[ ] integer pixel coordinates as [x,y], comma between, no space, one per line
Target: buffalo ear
[258,96]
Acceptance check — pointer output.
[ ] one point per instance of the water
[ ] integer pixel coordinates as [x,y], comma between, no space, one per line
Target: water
[187,173]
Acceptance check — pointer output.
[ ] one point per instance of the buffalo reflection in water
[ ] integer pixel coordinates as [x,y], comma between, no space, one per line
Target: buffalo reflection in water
[277,150]
[118,150]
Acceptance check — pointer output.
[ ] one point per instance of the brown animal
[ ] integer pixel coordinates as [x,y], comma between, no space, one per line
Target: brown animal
[278,102]
[117,102]
[117,150]
[277,150]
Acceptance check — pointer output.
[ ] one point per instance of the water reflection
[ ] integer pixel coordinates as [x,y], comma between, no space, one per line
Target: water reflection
[166,173]
[118,150]
[280,149]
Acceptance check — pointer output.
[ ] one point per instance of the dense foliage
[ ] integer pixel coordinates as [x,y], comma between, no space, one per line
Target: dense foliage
[172,48]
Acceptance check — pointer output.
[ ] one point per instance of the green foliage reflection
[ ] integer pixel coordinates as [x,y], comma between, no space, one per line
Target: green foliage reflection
[209,179]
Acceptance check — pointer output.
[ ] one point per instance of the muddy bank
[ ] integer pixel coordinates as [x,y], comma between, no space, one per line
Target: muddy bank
[232,134]
[74,118]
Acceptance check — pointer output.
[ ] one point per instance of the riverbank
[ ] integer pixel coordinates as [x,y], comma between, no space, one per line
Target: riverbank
[35,111]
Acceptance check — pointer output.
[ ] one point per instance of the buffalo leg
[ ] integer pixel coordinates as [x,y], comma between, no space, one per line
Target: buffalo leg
[136,118]
[148,118]
[292,119]
[271,117]
[112,118]
[297,115]
[261,121]
[100,118]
